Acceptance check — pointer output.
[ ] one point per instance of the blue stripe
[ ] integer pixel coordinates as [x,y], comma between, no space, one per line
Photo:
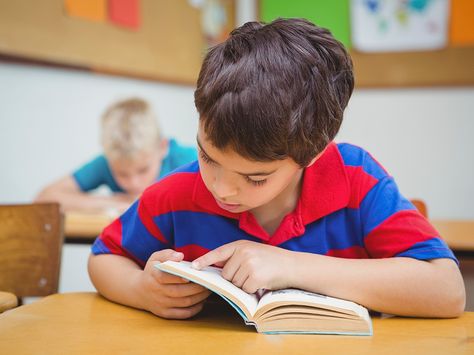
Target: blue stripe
[358,157]
[192,167]
[339,230]
[206,230]
[136,239]
[429,249]
[99,247]
[387,201]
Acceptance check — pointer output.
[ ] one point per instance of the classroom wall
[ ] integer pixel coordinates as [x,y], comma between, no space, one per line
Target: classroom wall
[49,125]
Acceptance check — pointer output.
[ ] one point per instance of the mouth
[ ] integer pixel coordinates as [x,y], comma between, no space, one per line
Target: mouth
[228,206]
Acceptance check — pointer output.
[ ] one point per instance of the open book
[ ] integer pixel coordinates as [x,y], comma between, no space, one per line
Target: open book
[282,311]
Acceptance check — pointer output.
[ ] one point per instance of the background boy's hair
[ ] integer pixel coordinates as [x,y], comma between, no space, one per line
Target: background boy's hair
[276,90]
[128,128]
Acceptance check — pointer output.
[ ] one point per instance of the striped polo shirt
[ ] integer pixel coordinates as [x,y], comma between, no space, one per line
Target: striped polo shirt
[349,207]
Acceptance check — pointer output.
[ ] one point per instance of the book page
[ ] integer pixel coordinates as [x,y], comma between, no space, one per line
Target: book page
[295,296]
[210,277]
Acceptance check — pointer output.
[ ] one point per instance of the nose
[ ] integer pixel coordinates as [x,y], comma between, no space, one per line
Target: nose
[223,186]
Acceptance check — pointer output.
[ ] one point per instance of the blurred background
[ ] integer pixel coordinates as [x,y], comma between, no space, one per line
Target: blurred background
[63,62]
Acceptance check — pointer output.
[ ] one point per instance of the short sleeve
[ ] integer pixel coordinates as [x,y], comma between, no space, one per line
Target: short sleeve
[94,174]
[392,226]
[133,235]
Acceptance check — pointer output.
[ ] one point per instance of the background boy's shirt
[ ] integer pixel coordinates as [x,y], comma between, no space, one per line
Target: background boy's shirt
[349,207]
[97,172]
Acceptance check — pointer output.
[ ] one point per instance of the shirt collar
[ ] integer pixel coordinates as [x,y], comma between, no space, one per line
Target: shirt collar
[325,190]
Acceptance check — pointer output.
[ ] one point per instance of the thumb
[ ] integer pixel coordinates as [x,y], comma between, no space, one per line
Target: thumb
[166,254]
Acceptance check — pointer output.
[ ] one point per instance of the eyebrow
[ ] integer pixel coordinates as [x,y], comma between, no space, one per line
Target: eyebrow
[257,173]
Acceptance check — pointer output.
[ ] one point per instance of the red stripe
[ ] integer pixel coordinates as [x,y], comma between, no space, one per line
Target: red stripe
[398,233]
[111,236]
[148,222]
[192,251]
[361,184]
[181,192]
[349,253]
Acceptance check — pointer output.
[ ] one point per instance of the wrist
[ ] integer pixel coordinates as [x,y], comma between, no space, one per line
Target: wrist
[137,290]
[303,270]
[291,269]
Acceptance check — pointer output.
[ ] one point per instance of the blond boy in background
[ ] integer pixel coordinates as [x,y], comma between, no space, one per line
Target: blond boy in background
[135,156]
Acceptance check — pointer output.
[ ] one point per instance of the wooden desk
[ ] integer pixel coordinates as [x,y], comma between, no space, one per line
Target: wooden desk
[84,227]
[459,234]
[85,323]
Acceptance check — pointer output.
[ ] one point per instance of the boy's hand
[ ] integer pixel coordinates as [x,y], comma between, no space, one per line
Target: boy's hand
[167,295]
[250,265]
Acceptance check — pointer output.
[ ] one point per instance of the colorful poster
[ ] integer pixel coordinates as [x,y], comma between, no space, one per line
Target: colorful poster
[125,13]
[94,10]
[330,14]
[462,23]
[399,25]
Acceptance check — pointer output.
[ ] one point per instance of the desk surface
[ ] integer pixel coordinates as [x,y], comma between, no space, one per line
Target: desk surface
[85,323]
[84,226]
[459,234]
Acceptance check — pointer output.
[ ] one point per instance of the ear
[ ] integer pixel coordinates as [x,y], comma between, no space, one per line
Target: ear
[316,157]
[163,147]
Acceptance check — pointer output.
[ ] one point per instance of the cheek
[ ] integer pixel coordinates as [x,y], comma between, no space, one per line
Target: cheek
[206,174]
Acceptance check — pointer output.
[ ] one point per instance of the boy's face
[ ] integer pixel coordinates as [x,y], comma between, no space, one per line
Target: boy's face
[135,175]
[239,184]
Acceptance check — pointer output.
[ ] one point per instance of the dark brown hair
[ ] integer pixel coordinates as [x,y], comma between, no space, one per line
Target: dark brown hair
[276,90]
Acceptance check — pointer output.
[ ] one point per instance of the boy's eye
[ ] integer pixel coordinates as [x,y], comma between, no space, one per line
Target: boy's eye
[205,158]
[255,182]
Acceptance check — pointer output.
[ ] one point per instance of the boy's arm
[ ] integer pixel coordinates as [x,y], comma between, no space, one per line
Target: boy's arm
[67,192]
[398,285]
[401,286]
[121,280]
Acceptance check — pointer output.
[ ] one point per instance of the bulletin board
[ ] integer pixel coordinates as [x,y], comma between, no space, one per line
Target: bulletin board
[169,44]
[450,66]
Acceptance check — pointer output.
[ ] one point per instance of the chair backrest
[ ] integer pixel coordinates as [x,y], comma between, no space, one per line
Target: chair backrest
[420,206]
[31,238]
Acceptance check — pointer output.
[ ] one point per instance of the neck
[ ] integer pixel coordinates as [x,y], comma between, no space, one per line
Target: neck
[270,215]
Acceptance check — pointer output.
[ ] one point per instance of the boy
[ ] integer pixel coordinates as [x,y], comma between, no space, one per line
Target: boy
[135,156]
[273,200]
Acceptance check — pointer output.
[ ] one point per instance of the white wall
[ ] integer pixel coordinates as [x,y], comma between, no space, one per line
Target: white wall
[424,138]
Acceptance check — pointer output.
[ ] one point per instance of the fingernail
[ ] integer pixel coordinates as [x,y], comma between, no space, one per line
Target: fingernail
[176,254]
[195,264]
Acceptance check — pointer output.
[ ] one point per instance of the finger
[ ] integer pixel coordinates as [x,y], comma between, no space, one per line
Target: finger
[218,255]
[240,277]
[183,290]
[231,267]
[166,278]
[250,286]
[184,302]
[182,313]
[166,254]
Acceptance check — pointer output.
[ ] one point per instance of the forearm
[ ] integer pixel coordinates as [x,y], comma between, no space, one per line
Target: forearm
[401,286]
[116,278]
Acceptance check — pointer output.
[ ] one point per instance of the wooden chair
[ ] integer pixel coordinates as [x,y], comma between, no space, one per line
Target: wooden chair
[420,206]
[31,238]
